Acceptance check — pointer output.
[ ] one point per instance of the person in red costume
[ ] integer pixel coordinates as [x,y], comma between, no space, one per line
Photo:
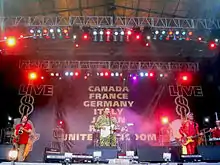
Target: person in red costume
[21,134]
[216,132]
[190,128]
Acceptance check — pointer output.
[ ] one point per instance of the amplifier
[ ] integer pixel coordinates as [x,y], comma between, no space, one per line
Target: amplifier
[214,139]
[191,158]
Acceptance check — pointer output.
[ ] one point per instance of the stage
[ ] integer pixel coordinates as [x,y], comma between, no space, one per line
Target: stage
[198,163]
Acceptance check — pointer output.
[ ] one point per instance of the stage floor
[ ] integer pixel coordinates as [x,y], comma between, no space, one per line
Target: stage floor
[25,163]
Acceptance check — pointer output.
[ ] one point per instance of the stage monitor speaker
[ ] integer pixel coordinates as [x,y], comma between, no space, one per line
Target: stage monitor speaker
[155,153]
[106,152]
[209,153]
[4,150]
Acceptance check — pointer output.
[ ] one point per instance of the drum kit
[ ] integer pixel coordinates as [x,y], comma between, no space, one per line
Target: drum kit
[122,134]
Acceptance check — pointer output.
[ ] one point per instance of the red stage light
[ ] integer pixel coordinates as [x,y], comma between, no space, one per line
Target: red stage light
[85,36]
[108,32]
[76,73]
[129,32]
[65,31]
[138,37]
[11,41]
[185,78]
[164,120]
[106,74]
[32,76]
[151,74]
[21,36]
[200,38]
[147,44]
[76,45]
[60,122]
[212,45]
[45,31]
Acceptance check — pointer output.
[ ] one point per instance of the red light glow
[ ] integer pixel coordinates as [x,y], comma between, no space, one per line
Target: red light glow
[129,32]
[164,120]
[106,74]
[76,73]
[147,44]
[45,31]
[151,74]
[85,36]
[212,45]
[200,38]
[77,45]
[61,122]
[108,32]
[185,78]
[138,37]
[65,31]
[11,41]
[32,76]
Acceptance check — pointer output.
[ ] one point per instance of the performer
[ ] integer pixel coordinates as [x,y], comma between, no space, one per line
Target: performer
[21,134]
[58,135]
[216,132]
[189,129]
[106,124]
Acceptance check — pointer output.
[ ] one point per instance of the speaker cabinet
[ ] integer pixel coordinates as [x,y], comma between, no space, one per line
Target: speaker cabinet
[107,152]
[155,153]
[209,153]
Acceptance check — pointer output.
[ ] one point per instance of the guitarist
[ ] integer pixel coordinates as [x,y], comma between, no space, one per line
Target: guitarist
[188,129]
[21,134]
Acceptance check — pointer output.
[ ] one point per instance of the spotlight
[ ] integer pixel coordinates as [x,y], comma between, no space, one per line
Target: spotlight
[95,33]
[71,73]
[101,32]
[164,120]
[190,33]
[32,31]
[147,44]
[106,73]
[116,74]
[45,31]
[134,78]
[9,118]
[65,31]
[156,32]
[32,76]
[108,32]
[206,119]
[142,74]
[57,74]
[151,74]
[200,38]
[76,73]
[177,32]
[58,30]
[122,33]
[161,75]
[51,31]
[146,74]
[216,40]
[101,74]
[183,33]
[116,33]
[163,32]
[112,74]
[129,32]
[66,73]
[138,37]
[148,37]
[85,36]
[76,45]
[11,41]
[212,45]
[52,74]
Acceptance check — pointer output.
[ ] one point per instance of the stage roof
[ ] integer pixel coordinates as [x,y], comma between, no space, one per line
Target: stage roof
[129,8]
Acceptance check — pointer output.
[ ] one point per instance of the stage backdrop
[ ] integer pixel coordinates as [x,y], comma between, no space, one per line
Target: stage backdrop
[78,103]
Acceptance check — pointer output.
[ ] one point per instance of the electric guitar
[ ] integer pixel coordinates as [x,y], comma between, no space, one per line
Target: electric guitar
[186,140]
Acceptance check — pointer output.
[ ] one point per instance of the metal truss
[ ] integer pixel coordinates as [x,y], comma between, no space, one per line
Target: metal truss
[111,65]
[108,21]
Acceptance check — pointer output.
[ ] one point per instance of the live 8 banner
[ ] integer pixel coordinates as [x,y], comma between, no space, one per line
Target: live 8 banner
[76,105]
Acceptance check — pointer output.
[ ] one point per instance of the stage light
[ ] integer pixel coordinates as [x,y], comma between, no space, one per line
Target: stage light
[74,37]
[216,40]
[101,32]
[161,75]
[32,31]
[32,76]
[183,33]
[66,73]
[95,33]
[190,33]
[85,36]
[52,74]
[206,119]
[129,32]
[134,78]
[116,33]
[106,74]
[71,73]
[9,118]
[65,31]
[142,74]
[45,31]
[177,32]
[60,122]
[163,32]
[164,120]
[51,31]
[156,32]
[116,74]
[122,33]
[76,45]
[76,74]
[42,77]
[11,41]
[151,74]
[112,74]
[101,74]
[148,37]
[200,38]
[212,45]
[146,74]
[21,37]
[147,44]
[170,33]
[85,77]
[108,32]
[137,37]
[58,30]
[185,78]
[57,74]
